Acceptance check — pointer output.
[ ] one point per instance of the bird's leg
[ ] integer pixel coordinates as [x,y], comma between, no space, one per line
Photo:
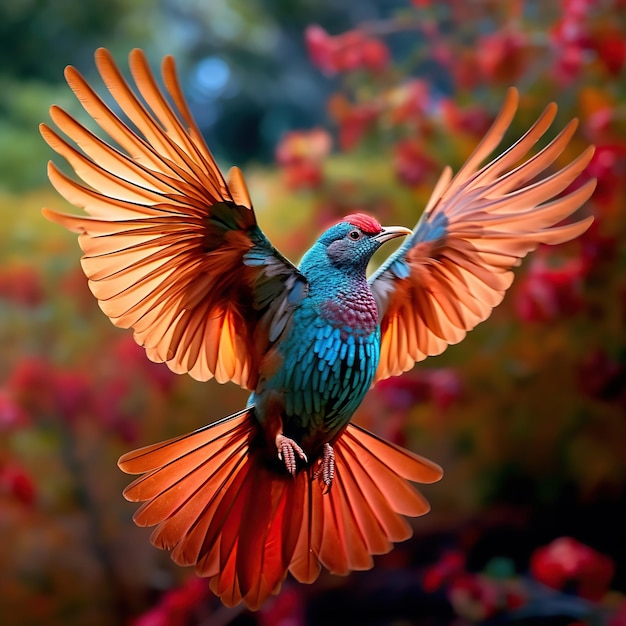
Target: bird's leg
[287,450]
[270,406]
[327,467]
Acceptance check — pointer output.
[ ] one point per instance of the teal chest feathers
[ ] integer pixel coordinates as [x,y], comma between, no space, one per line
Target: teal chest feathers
[328,370]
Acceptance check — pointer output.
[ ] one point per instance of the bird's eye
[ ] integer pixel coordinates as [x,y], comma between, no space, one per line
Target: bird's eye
[354,235]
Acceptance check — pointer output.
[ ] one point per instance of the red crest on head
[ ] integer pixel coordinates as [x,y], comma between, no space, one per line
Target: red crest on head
[364,222]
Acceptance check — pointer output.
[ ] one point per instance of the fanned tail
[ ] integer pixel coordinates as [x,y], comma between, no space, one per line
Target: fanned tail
[219,505]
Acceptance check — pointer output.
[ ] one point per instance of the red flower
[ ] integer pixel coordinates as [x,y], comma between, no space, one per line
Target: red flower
[570,40]
[413,166]
[287,609]
[501,56]
[608,165]
[598,250]
[409,102]
[449,566]
[72,394]
[374,55]
[599,125]
[446,387]
[610,46]
[75,286]
[441,386]
[479,597]
[156,616]
[17,483]
[571,30]
[176,605]
[472,120]
[566,561]
[30,384]
[12,415]
[354,120]
[28,374]
[21,285]
[463,65]
[109,406]
[569,64]
[352,50]
[474,597]
[132,358]
[547,293]
[577,9]
[312,145]
[300,154]
[320,48]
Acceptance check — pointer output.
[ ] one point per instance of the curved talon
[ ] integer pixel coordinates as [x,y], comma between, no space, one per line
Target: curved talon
[327,467]
[287,450]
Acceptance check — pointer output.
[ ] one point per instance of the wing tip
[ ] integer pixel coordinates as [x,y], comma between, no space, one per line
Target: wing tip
[50,215]
[71,74]
[508,108]
[168,64]
[46,212]
[587,154]
[45,131]
[572,125]
[70,222]
[512,95]
[584,225]
[551,109]
[238,187]
[102,54]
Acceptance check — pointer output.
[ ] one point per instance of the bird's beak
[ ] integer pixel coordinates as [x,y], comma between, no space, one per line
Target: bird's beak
[391,232]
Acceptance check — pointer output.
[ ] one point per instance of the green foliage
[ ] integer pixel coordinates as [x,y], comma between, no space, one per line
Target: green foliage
[38,38]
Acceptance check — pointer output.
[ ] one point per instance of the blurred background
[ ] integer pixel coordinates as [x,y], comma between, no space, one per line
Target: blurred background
[330,107]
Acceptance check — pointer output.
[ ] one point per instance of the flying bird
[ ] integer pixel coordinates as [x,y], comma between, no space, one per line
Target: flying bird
[173,250]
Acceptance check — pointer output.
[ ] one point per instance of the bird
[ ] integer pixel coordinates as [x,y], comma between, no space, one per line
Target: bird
[172,249]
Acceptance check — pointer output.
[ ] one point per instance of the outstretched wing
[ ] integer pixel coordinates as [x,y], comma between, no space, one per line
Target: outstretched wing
[170,248]
[477,226]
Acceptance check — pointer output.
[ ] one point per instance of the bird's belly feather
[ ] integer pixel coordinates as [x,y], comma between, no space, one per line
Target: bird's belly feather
[326,372]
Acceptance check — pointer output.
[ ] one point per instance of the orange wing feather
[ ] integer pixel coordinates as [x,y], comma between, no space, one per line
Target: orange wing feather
[455,268]
[166,239]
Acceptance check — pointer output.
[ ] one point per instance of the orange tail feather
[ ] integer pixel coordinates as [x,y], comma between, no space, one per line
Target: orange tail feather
[218,505]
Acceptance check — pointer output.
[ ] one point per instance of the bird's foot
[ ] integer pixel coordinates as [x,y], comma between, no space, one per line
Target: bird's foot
[327,467]
[287,451]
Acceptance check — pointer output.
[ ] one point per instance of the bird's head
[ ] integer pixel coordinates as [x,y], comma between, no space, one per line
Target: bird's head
[351,243]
